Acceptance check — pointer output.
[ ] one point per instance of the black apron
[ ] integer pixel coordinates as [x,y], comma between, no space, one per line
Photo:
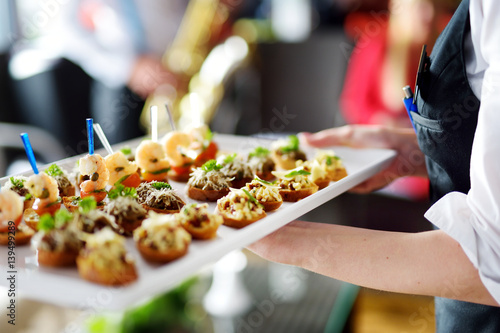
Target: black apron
[445,125]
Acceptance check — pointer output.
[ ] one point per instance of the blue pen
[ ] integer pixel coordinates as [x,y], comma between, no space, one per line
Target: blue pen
[409,105]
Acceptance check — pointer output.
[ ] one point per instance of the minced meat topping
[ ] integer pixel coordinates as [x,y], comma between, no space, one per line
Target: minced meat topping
[164,198]
[126,208]
[162,232]
[211,180]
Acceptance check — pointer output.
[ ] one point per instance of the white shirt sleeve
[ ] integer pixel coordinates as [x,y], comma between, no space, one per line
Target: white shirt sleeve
[473,219]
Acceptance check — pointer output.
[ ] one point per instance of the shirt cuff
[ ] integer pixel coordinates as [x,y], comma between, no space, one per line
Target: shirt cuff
[453,215]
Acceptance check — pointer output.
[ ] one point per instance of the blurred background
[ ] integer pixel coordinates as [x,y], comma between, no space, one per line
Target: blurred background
[248,67]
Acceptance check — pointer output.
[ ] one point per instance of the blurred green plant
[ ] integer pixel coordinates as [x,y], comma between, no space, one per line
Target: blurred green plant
[165,313]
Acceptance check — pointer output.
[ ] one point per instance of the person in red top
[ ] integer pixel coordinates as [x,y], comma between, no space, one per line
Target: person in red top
[384,60]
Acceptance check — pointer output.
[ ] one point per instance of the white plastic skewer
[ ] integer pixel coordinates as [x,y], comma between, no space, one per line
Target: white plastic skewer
[170,117]
[154,123]
[102,137]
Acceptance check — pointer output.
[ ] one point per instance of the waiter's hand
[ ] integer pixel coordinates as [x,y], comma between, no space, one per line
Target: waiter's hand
[408,162]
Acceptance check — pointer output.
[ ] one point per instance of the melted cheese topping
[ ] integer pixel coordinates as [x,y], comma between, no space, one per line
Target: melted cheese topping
[238,205]
[328,160]
[264,192]
[58,240]
[293,183]
[126,207]
[198,216]
[318,172]
[106,250]
[162,232]
[212,180]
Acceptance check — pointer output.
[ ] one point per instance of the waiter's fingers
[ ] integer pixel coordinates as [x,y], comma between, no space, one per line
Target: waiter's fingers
[329,137]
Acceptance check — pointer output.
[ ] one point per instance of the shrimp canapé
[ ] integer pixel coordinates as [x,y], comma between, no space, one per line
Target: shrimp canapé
[46,192]
[150,157]
[188,149]
[11,212]
[11,209]
[180,154]
[203,145]
[122,170]
[94,166]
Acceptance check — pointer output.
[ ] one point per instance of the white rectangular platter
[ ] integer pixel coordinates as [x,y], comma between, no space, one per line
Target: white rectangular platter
[63,286]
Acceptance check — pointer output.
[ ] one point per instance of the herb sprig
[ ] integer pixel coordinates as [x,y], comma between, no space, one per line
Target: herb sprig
[54,171]
[122,191]
[292,144]
[160,185]
[211,166]
[48,222]
[259,152]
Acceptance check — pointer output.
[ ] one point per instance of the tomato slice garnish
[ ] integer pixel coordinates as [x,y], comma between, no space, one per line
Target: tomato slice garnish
[207,154]
[4,225]
[132,180]
[149,177]
[98,196]
[41,208]
[180,170]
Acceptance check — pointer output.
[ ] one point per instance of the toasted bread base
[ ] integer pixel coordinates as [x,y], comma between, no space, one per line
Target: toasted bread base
[269,206]
[23,235]
[56,258]
[267,176]
[294,196]
[322,183]
[206,195]
[28,203]
[31,218]
[161,257]
[128,225]
[207,232]
[338,174]
[160,211]
[108,276]
[240,182]
[68,203]
[70,192]
[181,178]
[281,163]
[238,224]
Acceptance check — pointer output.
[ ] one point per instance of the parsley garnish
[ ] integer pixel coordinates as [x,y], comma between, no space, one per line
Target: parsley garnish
[292,145]
[17,183]
[229,158]
[87,204]
[329,160]
[297,173]
[259,152]
[122,191]
[211,166]
[126,151]
[54,171]
[47,222]
[160,185]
